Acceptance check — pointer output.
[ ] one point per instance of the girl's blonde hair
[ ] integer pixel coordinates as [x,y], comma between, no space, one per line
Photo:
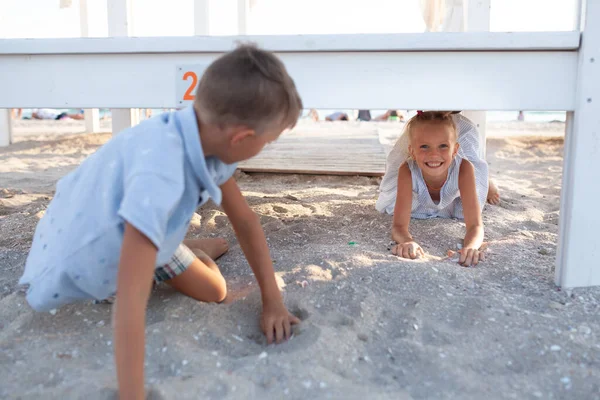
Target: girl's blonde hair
[437,117]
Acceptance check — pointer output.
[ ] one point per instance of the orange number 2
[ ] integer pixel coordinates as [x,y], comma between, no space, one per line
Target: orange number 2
[189,93]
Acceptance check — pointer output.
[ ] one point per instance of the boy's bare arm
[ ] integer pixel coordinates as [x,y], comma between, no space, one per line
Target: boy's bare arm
[276,320]
[134,283]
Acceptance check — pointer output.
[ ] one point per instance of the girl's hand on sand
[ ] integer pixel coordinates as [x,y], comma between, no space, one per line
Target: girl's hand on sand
[276,321]
[470,257]
[408,250]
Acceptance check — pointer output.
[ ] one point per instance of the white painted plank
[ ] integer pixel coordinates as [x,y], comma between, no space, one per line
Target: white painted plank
[564,214]
[92,120]
[478,20]
[5,127]
[579,243]
[120,23]
[124,118]
[243,11]
[460,41]
[455,18]
[478,15]
[465,81]
[479,118]
[202,17]
[84,18]
[579,5]
[91,116]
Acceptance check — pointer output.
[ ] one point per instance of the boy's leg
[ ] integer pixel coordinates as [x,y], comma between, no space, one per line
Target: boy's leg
[214,248]
[194,274]
[198,256]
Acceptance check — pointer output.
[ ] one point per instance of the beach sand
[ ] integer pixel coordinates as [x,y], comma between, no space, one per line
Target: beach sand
[373,326]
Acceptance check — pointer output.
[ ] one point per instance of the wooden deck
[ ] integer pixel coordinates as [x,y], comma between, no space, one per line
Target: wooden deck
[325,148]
[328,148]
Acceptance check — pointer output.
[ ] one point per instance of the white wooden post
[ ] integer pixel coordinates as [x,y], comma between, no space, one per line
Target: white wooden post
[579,242]
[478,20]
[243,14]
[92,120]
[460,16]
[120,23]
[83,18]
[91,116]
[477,16]
[5,127]
[201,17]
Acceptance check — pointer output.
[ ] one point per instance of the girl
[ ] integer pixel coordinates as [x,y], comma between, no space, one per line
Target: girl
[434,170]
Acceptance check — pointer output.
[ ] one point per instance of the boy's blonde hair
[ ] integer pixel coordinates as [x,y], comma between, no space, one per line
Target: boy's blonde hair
[250,87]
[436,117]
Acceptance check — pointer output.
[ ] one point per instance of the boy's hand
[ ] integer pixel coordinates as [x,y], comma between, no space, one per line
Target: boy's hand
[276,321]
[470,256]
[408,250]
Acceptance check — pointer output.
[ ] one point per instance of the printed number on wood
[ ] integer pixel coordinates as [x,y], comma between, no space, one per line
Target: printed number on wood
[187,78]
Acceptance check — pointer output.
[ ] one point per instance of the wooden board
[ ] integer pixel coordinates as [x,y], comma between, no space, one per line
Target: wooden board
[469,80]
[329,148]
[578,240]
[432,41]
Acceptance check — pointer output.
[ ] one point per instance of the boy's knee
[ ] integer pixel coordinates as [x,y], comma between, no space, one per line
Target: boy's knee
[205,259]
[220,291]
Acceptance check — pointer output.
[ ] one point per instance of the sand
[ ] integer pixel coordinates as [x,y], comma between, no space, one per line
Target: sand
[374,326]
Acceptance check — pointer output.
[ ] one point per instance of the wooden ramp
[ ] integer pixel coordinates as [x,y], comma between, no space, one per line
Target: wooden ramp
[334,148]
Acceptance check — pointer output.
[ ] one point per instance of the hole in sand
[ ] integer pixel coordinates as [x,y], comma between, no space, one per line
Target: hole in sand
[299,312]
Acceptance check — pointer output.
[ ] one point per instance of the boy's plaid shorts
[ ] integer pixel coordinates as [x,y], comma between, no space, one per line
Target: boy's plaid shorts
[180,261]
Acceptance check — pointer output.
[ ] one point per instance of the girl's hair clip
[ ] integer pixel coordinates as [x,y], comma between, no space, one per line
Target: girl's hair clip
[419,112]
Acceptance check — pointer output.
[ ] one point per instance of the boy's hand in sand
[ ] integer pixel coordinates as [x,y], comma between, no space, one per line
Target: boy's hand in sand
[408,250]
[470,256]
[276,321]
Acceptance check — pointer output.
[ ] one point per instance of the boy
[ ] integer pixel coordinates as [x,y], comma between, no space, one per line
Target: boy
[126,208]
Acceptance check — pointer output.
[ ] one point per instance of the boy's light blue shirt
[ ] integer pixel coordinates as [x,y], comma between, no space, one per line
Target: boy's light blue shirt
[152,176]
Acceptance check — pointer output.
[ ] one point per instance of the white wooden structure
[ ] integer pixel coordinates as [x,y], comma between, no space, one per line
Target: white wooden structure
[5,127]
[91,115]
[465,70]
[455,16]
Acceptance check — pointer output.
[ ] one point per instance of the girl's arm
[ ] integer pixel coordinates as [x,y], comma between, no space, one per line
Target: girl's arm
[470,254]
[406,247]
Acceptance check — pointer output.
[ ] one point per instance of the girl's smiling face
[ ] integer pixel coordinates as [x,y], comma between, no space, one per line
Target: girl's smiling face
[433,147]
